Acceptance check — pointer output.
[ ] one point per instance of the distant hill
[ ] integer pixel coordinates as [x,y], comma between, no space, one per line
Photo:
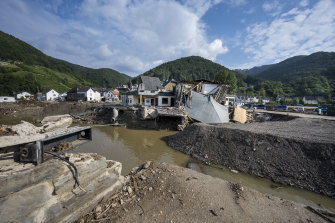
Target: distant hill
[299,66]
[186,68]
[31,69]
[253,71]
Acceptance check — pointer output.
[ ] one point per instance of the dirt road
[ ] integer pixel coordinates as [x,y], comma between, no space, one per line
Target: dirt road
[166,193]
[300,115]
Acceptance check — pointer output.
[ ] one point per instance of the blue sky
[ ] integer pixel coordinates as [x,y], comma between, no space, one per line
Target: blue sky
[133,36]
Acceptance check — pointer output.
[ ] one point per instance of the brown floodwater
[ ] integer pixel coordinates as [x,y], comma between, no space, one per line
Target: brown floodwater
[132,147]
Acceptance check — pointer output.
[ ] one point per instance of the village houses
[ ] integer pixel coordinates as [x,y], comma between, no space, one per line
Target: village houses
[151,92]
[110,95]
[50,95]
[84,94]
[311,100]
[24,95]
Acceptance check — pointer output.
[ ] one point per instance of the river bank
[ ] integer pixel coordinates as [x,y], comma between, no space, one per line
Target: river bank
[90,113]
[161,192]
[299,152]
[154,180]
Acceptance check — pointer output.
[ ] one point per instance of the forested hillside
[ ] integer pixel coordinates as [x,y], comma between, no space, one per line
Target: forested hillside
[299,67]
[186,68]
[30,69]
[298,76]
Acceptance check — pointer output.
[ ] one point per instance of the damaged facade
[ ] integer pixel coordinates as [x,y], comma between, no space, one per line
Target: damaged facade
[151,92]
[203,100]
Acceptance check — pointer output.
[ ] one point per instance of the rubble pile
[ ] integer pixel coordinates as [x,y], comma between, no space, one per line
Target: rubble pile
[141,181]
[5,131]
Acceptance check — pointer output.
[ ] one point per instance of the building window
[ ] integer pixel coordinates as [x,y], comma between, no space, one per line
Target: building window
[165,101]
[153,91]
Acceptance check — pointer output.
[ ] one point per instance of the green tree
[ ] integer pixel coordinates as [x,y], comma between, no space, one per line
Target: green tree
[227,77]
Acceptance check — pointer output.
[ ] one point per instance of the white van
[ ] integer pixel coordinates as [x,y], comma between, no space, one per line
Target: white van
[7,99]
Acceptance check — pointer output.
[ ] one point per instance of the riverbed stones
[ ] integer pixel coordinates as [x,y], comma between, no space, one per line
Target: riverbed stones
[146,165]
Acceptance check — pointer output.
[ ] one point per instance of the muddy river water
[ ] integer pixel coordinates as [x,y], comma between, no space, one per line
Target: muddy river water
[133,147]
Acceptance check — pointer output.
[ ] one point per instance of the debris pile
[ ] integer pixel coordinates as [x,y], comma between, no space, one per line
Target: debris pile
[140,182]
[203,100]
[240,115]
[26,132]
[5,131]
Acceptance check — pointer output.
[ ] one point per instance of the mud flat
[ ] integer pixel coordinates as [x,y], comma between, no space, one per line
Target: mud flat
[299,152]
[160,192]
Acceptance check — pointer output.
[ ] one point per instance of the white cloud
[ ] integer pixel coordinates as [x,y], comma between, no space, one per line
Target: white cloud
[249,11]
[303,3]
[130,36]
[236,2]
[293,33]
[272,7]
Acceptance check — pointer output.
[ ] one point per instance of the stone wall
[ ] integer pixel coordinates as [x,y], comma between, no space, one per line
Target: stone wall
[47,192]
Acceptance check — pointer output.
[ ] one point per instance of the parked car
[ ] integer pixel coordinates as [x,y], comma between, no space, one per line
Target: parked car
[248,105]
[260,107]
[281,107]
[323,109]
[299,109]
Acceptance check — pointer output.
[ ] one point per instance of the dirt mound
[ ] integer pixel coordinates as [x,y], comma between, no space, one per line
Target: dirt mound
[289,161]
[159,192]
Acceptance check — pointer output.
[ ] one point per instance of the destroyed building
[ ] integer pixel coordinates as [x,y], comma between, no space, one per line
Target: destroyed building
[203,100]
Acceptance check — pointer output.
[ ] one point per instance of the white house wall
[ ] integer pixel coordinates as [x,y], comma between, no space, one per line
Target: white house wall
[89,94]
[160,101]
[97,96]
[23,94]
[130,100]
[51,95]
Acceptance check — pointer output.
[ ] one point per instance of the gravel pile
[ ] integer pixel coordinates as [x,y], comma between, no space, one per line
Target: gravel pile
[314,130]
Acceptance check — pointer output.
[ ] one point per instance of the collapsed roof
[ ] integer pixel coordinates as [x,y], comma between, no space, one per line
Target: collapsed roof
[205,109]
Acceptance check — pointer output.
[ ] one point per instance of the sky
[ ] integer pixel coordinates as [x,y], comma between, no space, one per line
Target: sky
[133,36]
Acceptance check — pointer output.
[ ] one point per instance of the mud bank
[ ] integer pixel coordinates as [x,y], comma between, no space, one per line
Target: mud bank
[161,192]
[132,117]
[303,158]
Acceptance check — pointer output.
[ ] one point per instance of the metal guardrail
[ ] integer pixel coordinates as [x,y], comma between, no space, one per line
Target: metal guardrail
[33,151]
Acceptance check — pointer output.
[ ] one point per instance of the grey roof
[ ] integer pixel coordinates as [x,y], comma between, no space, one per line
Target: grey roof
[78,89]
[151,83]
[205,109]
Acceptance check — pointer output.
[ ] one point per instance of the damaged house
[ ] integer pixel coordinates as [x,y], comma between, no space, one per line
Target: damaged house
[84,94]
[151,92]
[203,100]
